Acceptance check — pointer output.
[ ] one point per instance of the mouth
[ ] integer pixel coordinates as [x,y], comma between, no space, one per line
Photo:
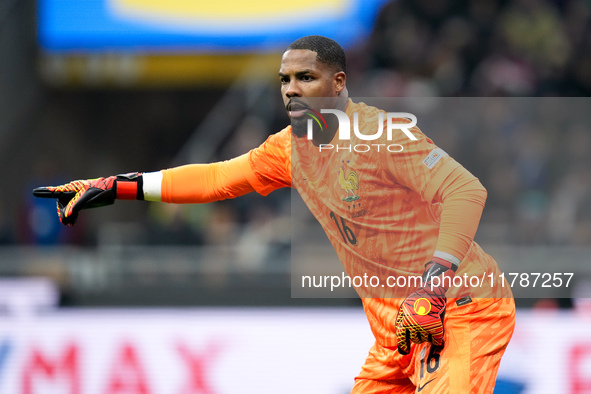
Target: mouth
[296,109]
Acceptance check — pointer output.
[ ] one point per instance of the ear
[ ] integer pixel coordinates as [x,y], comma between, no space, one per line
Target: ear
[340,81]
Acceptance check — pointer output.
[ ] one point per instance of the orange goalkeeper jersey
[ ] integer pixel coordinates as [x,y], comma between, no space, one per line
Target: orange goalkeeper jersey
[376,206]
[381,208]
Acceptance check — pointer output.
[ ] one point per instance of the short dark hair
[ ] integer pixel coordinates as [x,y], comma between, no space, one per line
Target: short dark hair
[328,51]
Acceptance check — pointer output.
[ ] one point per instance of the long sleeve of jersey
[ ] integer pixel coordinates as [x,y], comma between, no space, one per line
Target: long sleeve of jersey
[202,183]
[263,169]
[429,171]
[463,198]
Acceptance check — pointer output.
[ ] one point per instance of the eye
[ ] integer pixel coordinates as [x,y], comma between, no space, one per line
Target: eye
[284,80]
[307,78]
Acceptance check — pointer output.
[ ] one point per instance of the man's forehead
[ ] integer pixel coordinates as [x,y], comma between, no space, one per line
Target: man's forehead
[299,58]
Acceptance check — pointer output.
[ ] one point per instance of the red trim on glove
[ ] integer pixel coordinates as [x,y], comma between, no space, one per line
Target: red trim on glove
[444,263]
[126,190]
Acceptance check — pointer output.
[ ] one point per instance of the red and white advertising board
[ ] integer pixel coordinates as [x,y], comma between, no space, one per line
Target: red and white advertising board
[249,350]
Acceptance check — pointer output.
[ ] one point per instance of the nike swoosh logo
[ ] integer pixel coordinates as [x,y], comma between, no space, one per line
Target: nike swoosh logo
[420,388]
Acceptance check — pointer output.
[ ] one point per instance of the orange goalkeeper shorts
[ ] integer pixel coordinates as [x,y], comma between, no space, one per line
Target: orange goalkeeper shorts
[476,336]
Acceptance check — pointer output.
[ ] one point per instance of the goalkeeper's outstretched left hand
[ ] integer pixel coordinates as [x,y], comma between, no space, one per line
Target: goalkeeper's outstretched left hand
[90,193]
[420,317]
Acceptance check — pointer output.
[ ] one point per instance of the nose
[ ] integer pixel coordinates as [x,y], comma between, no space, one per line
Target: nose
[292,90]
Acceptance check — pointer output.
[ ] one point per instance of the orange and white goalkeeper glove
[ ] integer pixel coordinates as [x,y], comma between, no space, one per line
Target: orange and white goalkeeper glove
[91,193]
[420,317]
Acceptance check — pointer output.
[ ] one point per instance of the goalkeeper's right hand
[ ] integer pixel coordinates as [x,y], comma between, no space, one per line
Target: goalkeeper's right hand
[421,315]
[91,193]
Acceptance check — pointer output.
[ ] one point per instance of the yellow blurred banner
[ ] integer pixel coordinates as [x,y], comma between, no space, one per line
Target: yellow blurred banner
[225,11]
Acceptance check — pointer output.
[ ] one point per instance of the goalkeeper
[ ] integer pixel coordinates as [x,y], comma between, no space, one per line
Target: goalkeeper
[413,212]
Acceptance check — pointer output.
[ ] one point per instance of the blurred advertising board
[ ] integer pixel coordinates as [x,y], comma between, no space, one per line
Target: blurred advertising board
[242,350]
[550,352]
[181,25]
[183,351]
[178,42]
[249,350]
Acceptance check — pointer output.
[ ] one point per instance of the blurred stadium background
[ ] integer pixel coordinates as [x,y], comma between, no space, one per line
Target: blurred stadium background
[96,88]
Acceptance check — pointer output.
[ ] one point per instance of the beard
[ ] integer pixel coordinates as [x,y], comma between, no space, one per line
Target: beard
[299,126]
